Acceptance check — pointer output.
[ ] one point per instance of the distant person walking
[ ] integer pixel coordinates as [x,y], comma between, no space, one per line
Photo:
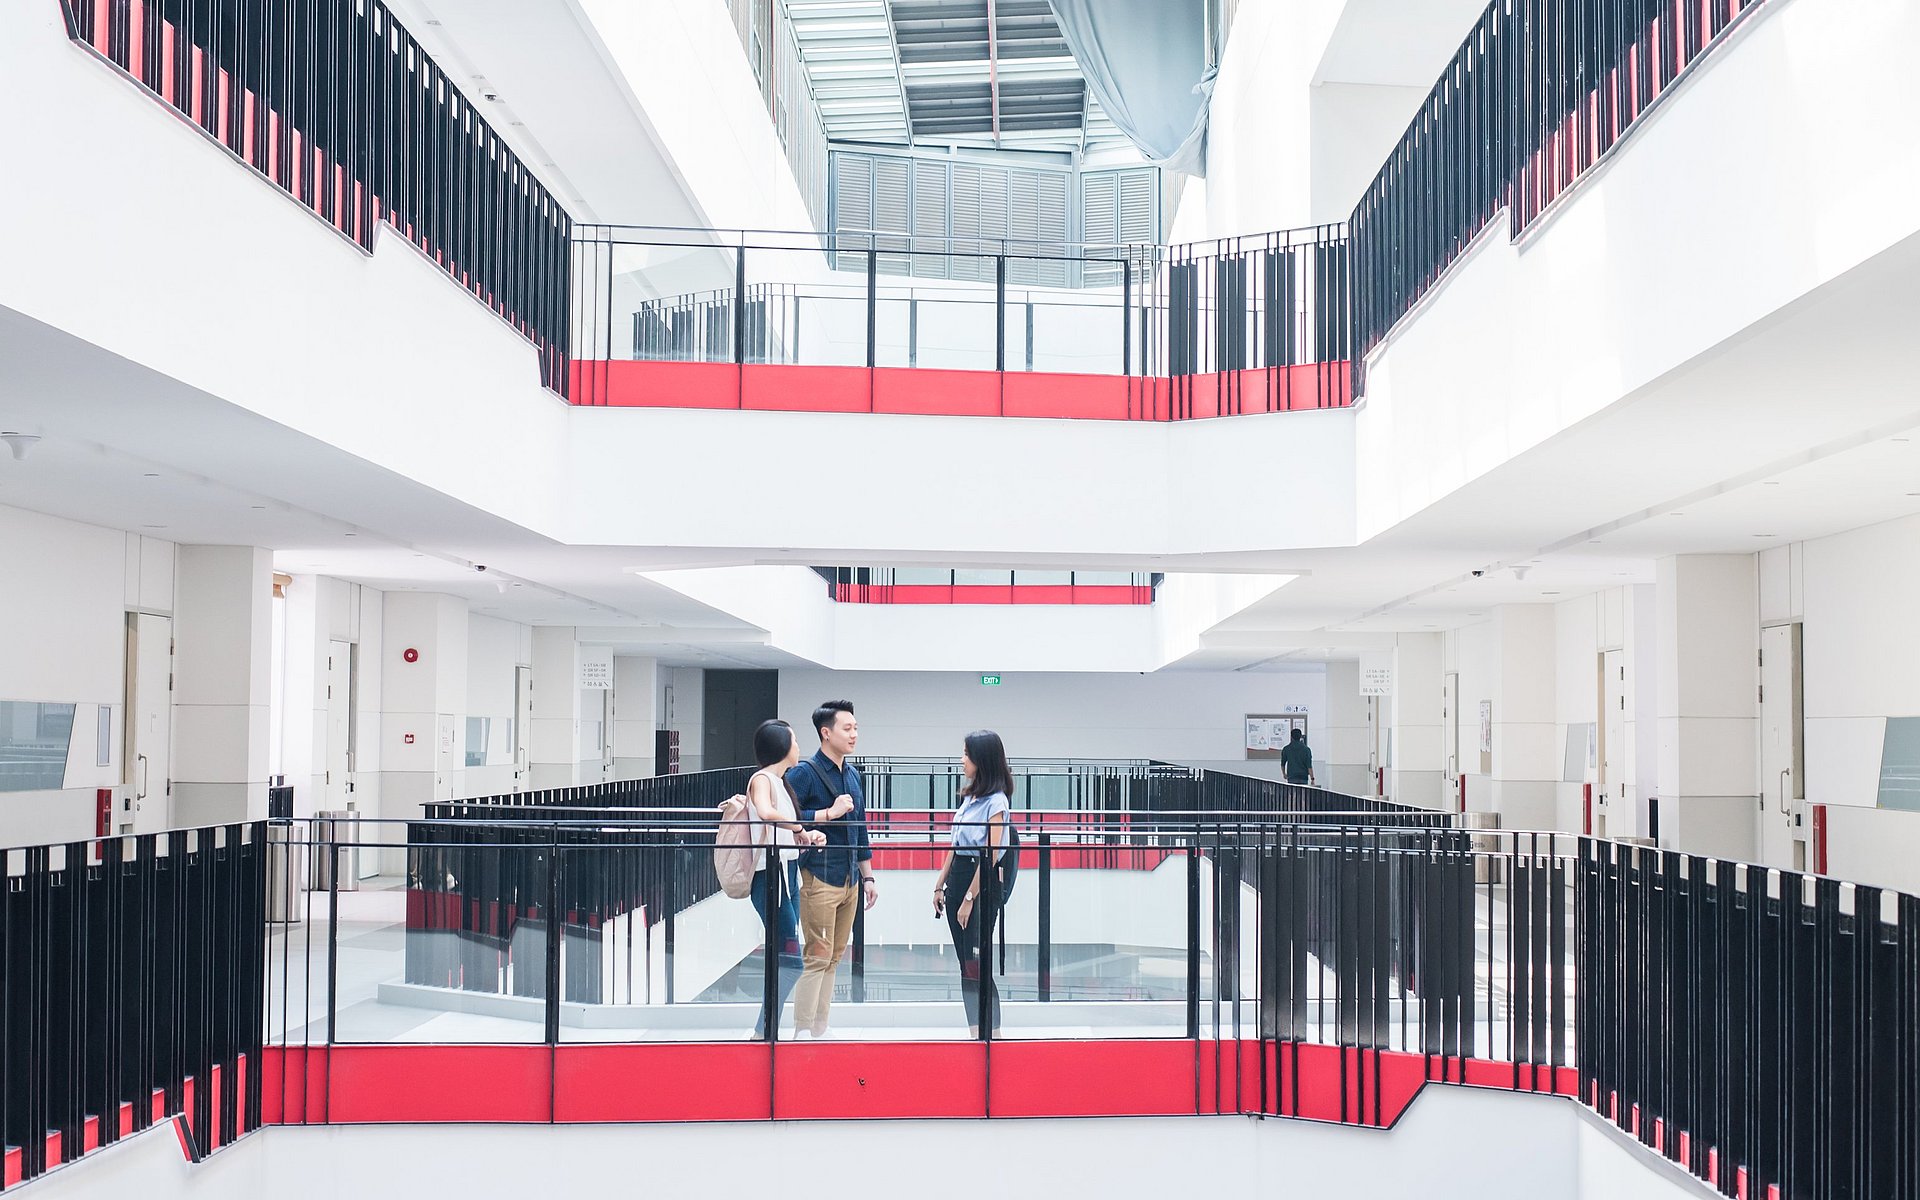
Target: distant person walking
[972,885]
[837,877]
[1296,759]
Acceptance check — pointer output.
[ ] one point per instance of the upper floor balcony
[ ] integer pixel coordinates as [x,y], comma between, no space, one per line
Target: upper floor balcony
[897,323]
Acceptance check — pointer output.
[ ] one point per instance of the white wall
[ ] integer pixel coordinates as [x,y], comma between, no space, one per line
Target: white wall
[67,589]
[682,705]
[1455,393]
[1183,716]
[494,649]
[683,64]
[1856,593]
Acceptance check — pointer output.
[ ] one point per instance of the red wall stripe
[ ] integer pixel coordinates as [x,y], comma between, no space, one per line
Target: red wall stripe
[940,392]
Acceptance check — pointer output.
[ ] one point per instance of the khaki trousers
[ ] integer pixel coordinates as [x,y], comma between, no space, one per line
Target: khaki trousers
[826,926]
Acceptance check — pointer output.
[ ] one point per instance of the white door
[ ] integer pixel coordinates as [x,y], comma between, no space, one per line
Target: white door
[149,730]
[1450,722]
[338,763]
[1782,839]
[1609,788]
[522,724]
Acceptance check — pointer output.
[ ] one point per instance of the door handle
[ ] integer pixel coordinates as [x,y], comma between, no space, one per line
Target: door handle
[1785,808]
[140,793]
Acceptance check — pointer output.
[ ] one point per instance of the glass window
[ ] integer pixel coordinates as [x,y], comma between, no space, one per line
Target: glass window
[477,730]
[33,745]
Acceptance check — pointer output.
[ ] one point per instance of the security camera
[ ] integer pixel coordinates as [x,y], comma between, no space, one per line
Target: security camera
[1478,574]
[482,566]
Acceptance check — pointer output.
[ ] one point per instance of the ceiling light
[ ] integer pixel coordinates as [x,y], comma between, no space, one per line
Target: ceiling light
[257,507]
[153,527]
[1769,483]
[150,475]
[1766,535]
[1549,593]
[350,534]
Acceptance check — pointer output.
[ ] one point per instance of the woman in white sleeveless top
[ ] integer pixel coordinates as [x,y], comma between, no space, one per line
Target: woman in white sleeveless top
[776,824]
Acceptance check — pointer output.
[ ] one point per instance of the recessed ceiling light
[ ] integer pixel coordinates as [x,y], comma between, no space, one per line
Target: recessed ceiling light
[1676,514]
[351,535]
[1769,483]
[153,527]
[151,475]
[1766,535]
[257,507]
[1549,593]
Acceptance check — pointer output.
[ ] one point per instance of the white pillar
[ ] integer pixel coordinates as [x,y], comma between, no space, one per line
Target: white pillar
[1341,745]
[635,693]
[1418,774]
[686,712]
[1526,762]
[1642,769]
[553,754]
[1707,612]
[423,702]
[223,647]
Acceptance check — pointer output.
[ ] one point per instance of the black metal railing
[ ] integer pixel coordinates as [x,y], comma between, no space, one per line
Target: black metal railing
[1240,325]
[339,106]
[1759,1027]
[132,976]
[1537,94]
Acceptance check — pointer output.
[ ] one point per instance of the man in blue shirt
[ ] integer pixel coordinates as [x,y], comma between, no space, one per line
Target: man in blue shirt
[838,876]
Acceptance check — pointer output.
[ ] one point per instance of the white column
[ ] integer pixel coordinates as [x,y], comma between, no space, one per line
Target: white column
[1418,775]
[1707,612]
[423,702]
[636,685]
[686,712]
[1526,762]
[223,647]
[1643,707]
[1341,744]
[553,754]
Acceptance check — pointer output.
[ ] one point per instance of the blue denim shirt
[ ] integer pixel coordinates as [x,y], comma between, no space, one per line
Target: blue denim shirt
[847,837]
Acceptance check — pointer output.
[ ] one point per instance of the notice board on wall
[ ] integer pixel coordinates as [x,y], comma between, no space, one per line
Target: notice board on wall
[1268,733]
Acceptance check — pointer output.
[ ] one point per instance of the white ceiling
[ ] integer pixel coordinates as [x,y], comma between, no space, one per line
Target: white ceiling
[1806,425]
[1399,43]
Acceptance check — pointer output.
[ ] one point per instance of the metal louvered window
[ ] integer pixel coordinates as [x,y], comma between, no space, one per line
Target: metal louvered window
[955,213]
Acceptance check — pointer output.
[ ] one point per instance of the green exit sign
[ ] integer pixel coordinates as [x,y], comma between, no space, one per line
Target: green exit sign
[989,681]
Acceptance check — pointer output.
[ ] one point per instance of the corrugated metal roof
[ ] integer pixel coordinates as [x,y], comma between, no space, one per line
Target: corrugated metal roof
[980,73]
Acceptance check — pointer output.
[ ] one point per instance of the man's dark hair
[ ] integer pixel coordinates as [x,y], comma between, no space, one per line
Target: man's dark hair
[828,713]
[1299,734]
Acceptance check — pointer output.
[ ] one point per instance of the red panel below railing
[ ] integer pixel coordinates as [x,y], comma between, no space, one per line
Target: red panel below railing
[971,593]
[919,391]
[754,1081]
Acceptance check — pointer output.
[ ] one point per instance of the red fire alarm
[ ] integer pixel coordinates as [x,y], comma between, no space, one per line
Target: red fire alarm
[407,738]
[412,656]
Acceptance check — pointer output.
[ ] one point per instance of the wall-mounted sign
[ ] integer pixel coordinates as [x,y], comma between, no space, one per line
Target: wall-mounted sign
[1376,673]
[1267,734]
[989,681]
[1486,727]
[596,668]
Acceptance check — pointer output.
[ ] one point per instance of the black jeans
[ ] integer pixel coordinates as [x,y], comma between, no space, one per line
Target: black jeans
[973,945]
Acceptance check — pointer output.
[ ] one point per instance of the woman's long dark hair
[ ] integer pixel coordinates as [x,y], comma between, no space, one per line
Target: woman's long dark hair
[990,770]
[771,742]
